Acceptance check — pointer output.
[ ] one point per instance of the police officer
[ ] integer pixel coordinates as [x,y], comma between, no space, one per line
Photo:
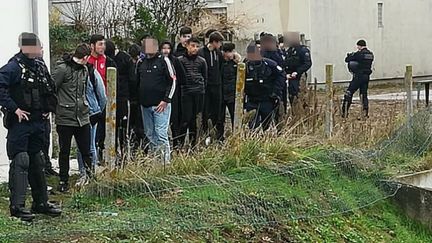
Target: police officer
[360,65]
[265,82]
[27,95]
[298,61]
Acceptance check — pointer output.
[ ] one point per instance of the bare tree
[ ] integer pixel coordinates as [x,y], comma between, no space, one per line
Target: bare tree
[174,14]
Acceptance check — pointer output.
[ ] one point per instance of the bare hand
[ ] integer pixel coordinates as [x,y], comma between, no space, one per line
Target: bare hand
[22,115]
[294,75]
[161,107]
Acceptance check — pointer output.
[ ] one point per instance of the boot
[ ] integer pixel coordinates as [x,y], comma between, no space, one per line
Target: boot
[47,209]
[18,181]
[21,213]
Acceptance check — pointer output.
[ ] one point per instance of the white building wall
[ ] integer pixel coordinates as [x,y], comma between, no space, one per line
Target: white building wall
[337,25]
[334,26]
[15,18]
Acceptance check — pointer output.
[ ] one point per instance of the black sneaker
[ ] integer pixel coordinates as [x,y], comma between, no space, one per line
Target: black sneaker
[47,209]
[63,186]
[22,213]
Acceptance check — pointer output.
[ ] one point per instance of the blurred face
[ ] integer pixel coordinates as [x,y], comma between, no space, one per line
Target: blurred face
[216,44]
[184,38]
[150,46]
[292,39]
[31,47]
[193,48]
[98,48]
[254,54]
[166,50]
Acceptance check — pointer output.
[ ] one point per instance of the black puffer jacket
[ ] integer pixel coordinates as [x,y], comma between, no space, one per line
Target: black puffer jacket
[196,74]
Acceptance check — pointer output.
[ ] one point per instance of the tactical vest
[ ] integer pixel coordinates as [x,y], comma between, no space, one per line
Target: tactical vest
[259,82]
[35,90]
[292,61]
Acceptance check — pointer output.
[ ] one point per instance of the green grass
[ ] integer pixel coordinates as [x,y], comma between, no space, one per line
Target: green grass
[285,203]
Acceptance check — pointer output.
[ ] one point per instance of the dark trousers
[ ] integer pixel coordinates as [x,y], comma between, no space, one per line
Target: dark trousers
[24,145]
[176,119]
[231,107]
[359,81]
[212,110]
[101,132]
[121,124]
[293,89]
[46,145]
[136,129]
[265,111]
[192,108]
[82,138]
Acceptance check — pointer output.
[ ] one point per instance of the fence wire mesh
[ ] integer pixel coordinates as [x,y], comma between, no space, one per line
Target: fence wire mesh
[321,182]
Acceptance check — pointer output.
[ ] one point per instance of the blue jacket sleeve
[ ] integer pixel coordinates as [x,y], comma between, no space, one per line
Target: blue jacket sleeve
[9,75]
[100,91]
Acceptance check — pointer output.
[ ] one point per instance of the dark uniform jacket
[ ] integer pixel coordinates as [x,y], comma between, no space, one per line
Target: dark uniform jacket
[298,59]
[26,84]
[265,80]
[364,59]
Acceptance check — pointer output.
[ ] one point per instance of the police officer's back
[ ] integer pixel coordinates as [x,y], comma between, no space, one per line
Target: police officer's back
[360,65]
[265,82]
[27,95]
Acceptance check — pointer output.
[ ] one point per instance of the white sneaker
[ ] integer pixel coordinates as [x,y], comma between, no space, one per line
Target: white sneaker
[207,141]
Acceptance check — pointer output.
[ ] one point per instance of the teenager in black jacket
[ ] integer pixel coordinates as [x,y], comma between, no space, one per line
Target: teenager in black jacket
[213,96]
[193,89]
[156,84]
[166,48]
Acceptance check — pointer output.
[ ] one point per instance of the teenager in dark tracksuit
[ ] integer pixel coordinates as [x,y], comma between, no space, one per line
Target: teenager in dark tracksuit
[229,78]
[156,84]
[193,89]
[166,49]
[213,95]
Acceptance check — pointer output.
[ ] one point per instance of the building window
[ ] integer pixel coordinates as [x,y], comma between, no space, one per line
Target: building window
[380,15]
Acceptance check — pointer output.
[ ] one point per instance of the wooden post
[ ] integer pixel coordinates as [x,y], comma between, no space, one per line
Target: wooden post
[329,101]
[315,105]
[408,88]
[240,84]
[110,139]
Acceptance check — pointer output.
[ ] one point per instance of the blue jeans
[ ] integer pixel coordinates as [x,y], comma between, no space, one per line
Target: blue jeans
[93,151]
[156,129]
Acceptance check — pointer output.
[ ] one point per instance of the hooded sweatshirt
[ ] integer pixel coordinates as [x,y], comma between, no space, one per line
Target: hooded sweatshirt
[214,61]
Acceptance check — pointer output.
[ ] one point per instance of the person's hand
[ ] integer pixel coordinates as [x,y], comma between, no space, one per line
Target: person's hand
[161,107]
[288,76]
[22,115]
[294,75]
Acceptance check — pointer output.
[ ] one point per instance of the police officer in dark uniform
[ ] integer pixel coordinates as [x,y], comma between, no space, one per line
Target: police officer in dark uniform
[265,82]
[269,49]
[297,62]
[27,96]
[360,65]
